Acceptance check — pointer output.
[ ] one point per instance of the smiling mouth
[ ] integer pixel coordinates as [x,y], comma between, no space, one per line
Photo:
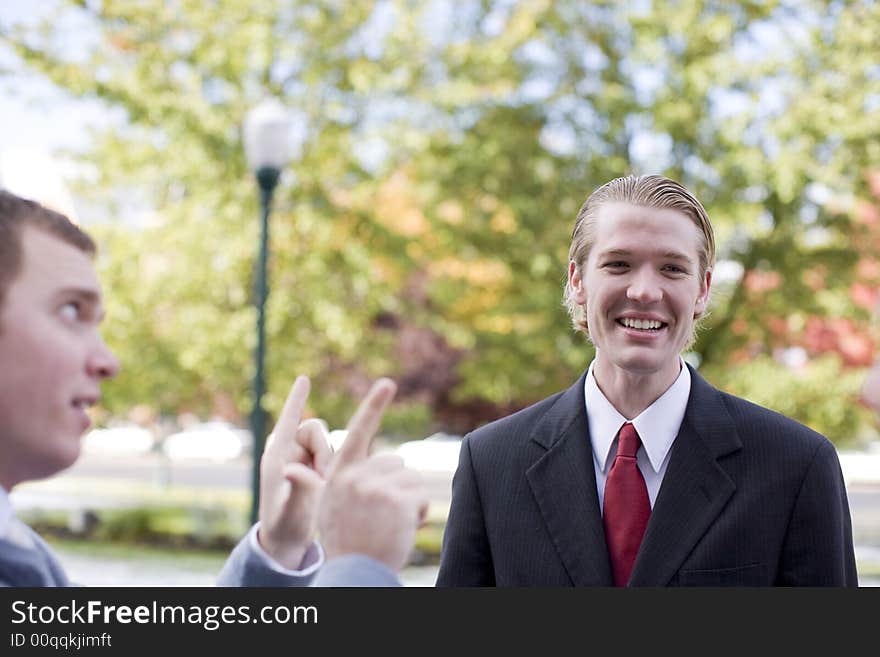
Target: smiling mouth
[647,325]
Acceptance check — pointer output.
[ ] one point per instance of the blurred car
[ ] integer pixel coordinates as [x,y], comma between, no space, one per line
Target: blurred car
[122,440]
[337,436]
[861,467]
[215,441]
[436,453]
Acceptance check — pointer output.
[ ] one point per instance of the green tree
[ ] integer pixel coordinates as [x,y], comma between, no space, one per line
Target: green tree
[423,229]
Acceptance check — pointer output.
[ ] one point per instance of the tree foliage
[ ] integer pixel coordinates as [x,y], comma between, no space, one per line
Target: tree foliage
[422,230]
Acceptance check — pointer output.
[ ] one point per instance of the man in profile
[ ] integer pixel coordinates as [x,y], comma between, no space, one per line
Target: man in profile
[52,363]
[642,473]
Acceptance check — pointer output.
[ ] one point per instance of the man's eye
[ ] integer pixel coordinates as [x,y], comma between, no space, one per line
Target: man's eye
[70,310]
[615,264]
[675,269]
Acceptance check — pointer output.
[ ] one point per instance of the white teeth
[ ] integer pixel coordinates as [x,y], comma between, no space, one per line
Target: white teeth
[641,323]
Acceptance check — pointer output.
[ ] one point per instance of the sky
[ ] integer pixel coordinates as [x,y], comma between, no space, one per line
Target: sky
[39,122]
[34,113]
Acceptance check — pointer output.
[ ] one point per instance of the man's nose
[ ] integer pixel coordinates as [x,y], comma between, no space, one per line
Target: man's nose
[645,286]
[103,363]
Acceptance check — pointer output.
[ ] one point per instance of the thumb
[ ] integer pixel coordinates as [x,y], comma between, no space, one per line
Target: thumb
[302,478]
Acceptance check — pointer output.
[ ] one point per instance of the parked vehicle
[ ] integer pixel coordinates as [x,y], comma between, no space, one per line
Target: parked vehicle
[122,440]
[436,453]
[861,467]
[215,441]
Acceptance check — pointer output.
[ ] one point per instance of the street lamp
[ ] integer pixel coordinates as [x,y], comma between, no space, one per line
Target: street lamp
[266,131]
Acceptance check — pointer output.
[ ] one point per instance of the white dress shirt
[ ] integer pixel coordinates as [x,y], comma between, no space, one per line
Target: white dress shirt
[657,426]
[5,512]
[11,528]
[312,560]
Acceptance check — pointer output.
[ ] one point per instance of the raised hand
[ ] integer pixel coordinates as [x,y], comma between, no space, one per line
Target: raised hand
[371,505]
[292,472]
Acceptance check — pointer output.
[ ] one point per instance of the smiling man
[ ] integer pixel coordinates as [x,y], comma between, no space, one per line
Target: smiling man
[642,473]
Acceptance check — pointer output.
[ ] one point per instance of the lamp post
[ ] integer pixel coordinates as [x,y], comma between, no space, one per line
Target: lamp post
[266,149]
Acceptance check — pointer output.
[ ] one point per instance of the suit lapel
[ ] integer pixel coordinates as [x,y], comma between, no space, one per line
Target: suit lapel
[563,482]
[695,487]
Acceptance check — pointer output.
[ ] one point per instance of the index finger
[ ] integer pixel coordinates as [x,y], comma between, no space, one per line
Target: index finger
[364,423]
[288,421]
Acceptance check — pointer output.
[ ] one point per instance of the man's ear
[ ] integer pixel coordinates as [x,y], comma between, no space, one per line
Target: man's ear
[575,284]
[703,300]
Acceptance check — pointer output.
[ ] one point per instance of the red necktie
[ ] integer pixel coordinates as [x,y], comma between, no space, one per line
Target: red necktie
[626,506]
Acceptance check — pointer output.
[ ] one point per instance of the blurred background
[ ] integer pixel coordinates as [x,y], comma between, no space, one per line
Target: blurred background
[438,153]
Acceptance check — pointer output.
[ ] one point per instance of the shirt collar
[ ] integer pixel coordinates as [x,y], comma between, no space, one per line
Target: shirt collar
[657,425]
[5,511]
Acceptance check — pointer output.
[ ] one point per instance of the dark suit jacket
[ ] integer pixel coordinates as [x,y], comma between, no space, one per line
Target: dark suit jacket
[749,498]
[33,567]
